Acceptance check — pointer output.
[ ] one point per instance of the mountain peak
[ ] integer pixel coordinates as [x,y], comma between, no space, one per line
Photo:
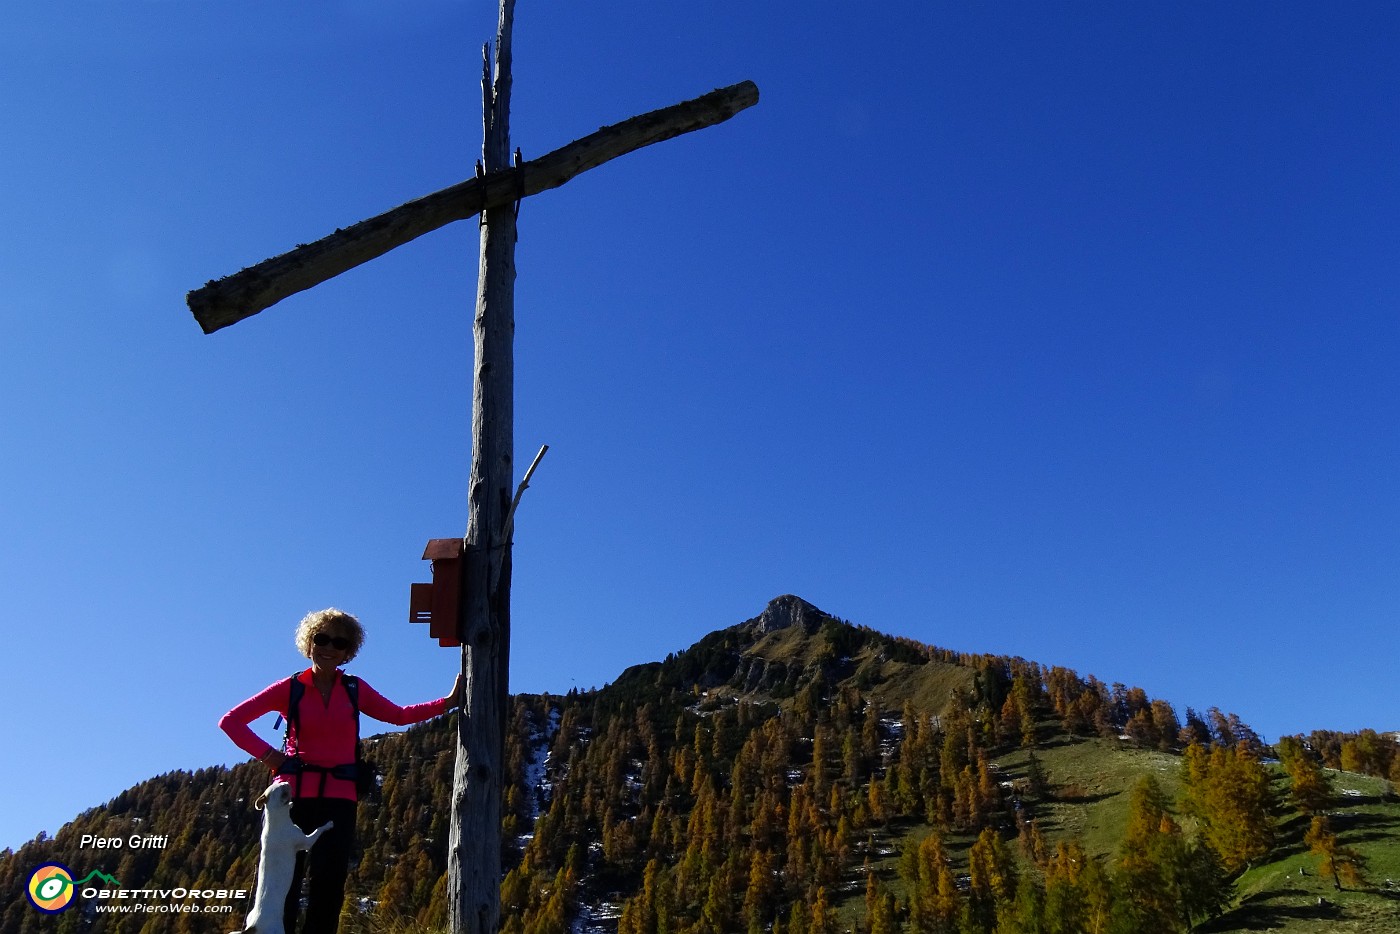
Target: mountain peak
[788,610]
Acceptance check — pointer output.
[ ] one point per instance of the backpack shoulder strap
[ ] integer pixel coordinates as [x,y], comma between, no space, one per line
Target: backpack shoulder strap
[295,689]
[352,687]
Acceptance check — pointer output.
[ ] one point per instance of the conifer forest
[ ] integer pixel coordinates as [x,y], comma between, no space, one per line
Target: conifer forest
[798,774]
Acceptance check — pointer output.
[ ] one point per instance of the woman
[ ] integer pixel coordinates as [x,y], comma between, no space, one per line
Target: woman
[319,759]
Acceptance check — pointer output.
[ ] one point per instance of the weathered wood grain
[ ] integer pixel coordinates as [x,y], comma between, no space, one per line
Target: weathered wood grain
[226,301]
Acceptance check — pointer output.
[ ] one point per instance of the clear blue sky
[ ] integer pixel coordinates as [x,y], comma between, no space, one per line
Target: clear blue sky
[1060,330]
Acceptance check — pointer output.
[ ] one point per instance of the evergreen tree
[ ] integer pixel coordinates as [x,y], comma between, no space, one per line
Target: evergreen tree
[991,878]
[1066,903]
[883,918]
[1336,862]
[1164,882]
[824,919]
[1228,790]
[1026,915]
[934,903]
[1310,788]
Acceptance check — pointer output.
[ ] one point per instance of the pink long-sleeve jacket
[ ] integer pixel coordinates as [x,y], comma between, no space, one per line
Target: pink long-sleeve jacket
[326,736]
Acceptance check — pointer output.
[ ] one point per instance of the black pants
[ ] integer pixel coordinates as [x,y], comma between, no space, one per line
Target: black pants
[326,864]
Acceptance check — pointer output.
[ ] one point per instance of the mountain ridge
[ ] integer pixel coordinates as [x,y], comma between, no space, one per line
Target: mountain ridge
[792,715]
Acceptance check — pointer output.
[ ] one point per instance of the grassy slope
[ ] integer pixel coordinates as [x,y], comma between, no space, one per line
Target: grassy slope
[1282,895]
[1092,778]
[926,686]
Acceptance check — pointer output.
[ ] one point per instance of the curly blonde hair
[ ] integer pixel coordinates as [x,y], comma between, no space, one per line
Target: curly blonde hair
[332,622]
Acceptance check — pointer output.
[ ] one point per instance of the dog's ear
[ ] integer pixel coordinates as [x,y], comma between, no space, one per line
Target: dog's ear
[262,798]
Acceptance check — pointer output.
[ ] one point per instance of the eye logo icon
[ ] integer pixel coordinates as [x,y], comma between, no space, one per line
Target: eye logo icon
[51,888]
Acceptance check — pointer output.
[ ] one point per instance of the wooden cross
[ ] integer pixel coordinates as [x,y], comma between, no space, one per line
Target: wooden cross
[474,867]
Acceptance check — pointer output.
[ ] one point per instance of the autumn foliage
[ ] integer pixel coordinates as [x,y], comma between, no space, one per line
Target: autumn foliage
[794,782]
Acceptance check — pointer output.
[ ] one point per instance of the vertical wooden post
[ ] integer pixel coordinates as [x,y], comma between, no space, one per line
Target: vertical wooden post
[483,626]
[474,842]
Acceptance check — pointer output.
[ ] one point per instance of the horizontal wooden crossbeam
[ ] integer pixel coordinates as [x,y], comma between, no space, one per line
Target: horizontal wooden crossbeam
[226,301]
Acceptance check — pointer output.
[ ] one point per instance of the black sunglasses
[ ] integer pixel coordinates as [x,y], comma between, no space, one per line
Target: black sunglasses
[338,642]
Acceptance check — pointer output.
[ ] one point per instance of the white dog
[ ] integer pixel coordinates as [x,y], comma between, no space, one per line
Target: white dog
[281,841]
